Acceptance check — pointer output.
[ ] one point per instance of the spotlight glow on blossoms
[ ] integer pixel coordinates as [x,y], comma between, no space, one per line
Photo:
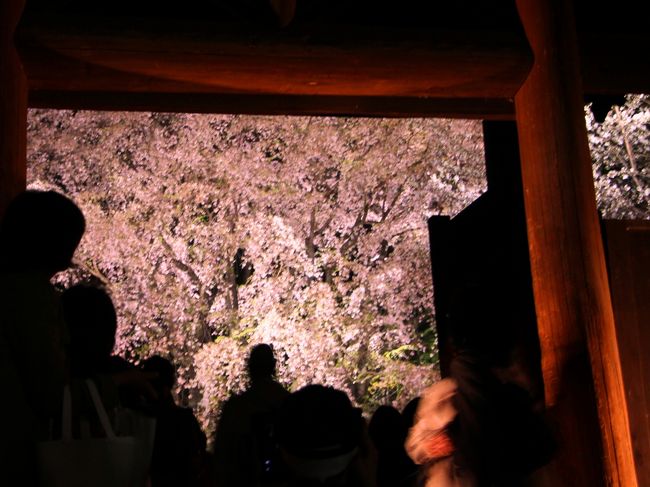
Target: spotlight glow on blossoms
[214,233]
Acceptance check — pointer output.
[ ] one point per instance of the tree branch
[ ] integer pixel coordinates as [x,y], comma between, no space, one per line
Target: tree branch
[353,236]
[630,154]
[182,266]
[398,193]
[94,271]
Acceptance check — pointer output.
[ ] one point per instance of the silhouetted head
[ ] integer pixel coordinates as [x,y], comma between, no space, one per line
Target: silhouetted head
[261,362]
[387,428]
[319,431]
[408,413]
[92,323]
[165,370]
[40,232]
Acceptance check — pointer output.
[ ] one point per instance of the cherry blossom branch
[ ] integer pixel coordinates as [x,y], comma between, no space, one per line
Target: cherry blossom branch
[630,153]
[182,266]
[92,270]
[361,220]
[207,296]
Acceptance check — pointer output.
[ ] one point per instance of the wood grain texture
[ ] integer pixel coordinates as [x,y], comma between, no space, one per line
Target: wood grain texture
[91,62]
[572,300]
[574,310]
[628,256]
[368,106]
[380,71]
[317,60]
[13,108]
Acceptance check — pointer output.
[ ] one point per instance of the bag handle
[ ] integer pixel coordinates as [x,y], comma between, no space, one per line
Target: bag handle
[66,419]
[66,415]
[101,411]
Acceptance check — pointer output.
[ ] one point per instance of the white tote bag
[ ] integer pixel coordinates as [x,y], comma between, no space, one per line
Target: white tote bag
[109,461]
[128,422]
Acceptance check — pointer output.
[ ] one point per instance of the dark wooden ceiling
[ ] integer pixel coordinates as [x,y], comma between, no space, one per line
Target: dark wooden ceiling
[465,58]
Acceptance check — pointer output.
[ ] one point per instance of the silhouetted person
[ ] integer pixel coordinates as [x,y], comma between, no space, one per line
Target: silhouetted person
[323,440]
[245,451]
[38,236]
[179,456]
[124,389]
[264,389]
[387,430]
[92,323]
[408,413]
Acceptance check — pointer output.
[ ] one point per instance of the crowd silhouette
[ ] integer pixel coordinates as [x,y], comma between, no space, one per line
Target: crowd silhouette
[75,414]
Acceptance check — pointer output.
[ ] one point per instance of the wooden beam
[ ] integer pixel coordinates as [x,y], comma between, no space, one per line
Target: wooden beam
[614,63]
[13,107]
[91,63]
[454,68]
[628,258]
[367,106]
[574,310]
[317,60]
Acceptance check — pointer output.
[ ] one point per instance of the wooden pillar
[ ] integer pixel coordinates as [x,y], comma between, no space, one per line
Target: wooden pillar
[572,300]
[627,245]
[13,107]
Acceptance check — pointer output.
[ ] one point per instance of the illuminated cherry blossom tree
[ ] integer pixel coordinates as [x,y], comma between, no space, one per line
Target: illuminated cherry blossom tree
[620,149]
[214,233]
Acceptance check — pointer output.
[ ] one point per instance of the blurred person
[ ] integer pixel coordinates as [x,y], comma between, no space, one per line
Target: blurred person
[480,426]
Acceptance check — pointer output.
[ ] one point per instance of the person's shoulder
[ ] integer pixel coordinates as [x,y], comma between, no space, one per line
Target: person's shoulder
[181,416]
[31,283]
[266,395]
[236,399]
[279,389]
[439,391]
[29,305]
[115,364]
[234,404]
[186,413]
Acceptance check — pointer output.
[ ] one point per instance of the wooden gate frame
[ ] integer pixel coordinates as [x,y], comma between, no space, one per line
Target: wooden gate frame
[464,75]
